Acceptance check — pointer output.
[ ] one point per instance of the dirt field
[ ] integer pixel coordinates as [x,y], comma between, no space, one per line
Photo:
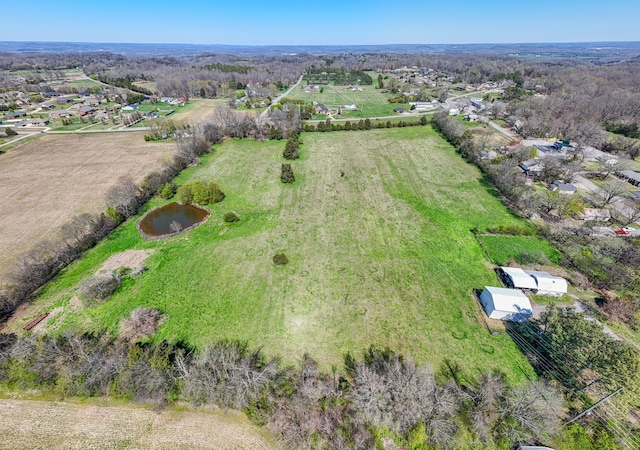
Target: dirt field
[46,181]
[60,425]
[198,110]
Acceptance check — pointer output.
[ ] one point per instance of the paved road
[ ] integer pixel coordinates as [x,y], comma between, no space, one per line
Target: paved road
[511,135]
[23,136]
[264,113]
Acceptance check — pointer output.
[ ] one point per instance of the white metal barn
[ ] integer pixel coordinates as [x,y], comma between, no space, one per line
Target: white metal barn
[506,304]
[549,284]
[518,278]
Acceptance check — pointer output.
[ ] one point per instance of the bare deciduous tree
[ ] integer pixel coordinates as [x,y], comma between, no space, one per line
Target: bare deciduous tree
[123,197]
[141,323]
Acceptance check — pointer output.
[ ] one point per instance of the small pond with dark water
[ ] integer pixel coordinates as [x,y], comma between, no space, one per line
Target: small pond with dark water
[158,222]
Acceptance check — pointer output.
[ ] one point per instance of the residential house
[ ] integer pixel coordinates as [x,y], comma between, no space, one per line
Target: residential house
[562,188]
[319,108]
[35,123]
[595,214]
[64,100]
[93,102]
[607,159]
[15,115]
[532,167]
[85,110]
[132,107]
[60,114]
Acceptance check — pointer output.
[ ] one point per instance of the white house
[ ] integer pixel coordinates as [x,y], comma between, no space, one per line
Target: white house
[506,304]
[549,284]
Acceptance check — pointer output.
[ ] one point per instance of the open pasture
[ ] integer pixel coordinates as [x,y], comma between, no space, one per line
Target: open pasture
[51,178]
[197,110]
[371,102]
[376,228]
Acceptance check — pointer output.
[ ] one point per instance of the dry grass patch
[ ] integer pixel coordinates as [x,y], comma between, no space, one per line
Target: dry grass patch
[40,424]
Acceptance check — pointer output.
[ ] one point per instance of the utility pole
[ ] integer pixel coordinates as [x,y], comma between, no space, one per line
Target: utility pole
[595,405]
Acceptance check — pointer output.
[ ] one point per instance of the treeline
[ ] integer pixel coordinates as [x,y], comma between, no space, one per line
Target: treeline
[228,68]
[379,395]
[339,76]
[365,124]
[124,82]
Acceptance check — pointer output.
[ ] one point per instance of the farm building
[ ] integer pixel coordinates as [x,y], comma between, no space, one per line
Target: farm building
[505,304]
[538,282]
[517,278]
[548,284]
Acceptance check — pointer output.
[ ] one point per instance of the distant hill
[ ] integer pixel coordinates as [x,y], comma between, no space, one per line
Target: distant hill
[589,50]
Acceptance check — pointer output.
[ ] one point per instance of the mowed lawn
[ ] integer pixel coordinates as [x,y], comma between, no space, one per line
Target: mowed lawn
[371,102]
[504,248]
[377,232]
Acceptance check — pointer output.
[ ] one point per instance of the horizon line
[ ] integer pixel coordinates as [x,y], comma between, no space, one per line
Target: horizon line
[324,45]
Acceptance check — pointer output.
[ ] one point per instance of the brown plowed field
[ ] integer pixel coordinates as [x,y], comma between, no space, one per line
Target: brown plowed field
[46,181]
[49,425]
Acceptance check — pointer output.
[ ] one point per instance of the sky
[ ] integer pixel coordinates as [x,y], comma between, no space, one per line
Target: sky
[321,22]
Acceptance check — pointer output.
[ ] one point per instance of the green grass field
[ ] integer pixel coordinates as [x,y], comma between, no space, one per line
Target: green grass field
[503,248]
[377,232]
[371,102]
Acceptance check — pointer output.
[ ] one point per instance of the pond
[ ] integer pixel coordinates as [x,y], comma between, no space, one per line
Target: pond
[171,219]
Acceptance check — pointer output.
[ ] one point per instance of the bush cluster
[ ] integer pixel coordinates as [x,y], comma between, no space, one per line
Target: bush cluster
[199,193]
[280,259]
[97,288]
[286,175]
[231,217]
[292,148]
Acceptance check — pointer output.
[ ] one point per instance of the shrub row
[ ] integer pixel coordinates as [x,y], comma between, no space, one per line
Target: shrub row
[365,124]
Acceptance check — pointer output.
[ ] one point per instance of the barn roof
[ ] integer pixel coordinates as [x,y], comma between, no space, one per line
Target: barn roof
[510,300]
[547,282]
[520,278]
